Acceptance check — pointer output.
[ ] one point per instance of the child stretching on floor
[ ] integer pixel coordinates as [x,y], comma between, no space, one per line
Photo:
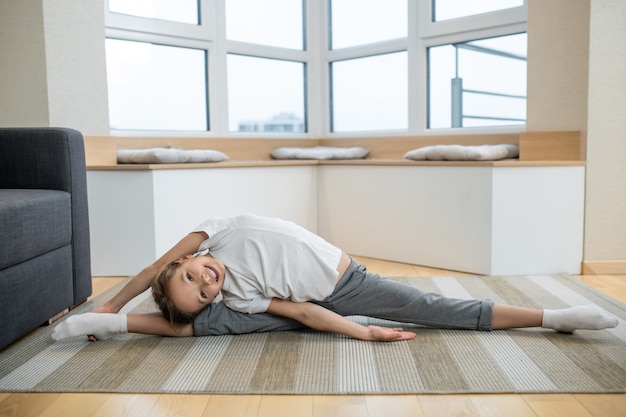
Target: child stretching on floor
[263,265]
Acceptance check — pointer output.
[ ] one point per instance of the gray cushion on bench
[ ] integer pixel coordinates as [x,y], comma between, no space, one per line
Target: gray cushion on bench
[168,156]
[464,153]
[319,152]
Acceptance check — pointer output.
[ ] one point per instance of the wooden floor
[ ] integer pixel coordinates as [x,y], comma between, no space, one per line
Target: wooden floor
[545,405]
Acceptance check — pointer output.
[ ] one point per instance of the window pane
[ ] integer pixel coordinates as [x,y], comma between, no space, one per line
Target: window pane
[265,95]
[156,87]
[452,9]
[184,11]
[358,22]
[478,83]
[370,93]
[265,22]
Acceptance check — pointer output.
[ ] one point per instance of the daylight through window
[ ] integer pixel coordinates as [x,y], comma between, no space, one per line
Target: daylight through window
[310,68]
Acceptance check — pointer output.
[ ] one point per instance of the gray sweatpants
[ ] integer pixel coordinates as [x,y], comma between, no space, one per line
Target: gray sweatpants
[364,294]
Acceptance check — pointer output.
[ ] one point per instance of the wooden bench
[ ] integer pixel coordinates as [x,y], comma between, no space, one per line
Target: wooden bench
[499,218]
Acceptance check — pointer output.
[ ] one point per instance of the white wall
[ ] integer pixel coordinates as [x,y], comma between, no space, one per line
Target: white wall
[577,81]
[605,231]
[52,65]
[558,56]
[23,79]
[52,72]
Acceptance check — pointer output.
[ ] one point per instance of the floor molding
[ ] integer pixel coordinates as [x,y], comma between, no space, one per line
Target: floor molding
[604,268]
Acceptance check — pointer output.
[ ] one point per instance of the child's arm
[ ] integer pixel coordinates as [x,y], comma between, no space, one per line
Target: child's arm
[142,281]
[319,318]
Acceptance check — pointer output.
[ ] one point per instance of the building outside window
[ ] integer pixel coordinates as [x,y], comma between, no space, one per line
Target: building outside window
[283,122]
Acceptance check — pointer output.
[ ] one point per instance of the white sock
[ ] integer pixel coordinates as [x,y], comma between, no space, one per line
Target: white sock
[590,317]
[102,325]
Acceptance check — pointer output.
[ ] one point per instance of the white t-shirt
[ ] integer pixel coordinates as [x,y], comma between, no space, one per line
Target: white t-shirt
[269,258]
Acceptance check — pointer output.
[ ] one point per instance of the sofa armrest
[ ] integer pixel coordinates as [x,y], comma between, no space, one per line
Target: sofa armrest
[45,158]
[52,158]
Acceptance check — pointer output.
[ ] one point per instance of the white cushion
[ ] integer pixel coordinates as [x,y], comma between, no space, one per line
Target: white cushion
[319,152]
[168,156]
[463,153]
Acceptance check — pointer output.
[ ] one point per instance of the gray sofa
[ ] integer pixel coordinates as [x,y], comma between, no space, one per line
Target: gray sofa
[44,227]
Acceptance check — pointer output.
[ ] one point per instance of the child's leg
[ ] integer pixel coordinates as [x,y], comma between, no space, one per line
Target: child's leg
[217,319]
[370,295]
[509,317]
[589,317]
[103,326]
[362,293]
[100,326]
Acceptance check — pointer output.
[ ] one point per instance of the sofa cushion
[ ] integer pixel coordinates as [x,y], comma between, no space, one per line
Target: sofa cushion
[32,222]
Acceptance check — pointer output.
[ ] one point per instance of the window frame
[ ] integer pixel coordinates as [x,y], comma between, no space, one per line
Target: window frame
[317,58]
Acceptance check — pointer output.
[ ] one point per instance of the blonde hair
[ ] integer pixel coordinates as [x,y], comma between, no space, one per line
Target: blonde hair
[160,293]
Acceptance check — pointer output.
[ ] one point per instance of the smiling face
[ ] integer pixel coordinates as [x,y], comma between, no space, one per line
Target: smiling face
[195,283]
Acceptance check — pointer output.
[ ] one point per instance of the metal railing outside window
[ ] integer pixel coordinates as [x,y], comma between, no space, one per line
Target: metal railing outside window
[457,90]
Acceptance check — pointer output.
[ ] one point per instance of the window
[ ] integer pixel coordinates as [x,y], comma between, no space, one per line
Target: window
[265,95]
[370,93]
[266,63]
[156,87]
[368,65]
[478,83]
[318,68]
[360,22]
[453,9]
[184,11]
[268,22]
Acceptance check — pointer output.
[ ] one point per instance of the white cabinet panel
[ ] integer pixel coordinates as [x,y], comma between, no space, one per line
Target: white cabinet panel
[135,216]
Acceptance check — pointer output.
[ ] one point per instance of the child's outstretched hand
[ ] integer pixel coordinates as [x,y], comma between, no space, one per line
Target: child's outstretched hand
[389,334]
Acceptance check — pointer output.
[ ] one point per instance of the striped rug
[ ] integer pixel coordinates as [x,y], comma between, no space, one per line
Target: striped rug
[308,362]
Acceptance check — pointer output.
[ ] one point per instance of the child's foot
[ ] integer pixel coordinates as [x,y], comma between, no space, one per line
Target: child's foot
[590,317]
